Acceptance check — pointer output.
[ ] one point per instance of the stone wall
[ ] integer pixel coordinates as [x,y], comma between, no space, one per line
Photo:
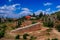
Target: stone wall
[33,27]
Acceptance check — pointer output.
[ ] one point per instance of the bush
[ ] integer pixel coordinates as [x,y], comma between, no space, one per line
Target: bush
[32,38]
[2,31]
[17,37]
[25,36]
[58,27]
[48,39]
[58,16]
[2,34]
[49,24]
[33,22]
[55,39]
[19,24]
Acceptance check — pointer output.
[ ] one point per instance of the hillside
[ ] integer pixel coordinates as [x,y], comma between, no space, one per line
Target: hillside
[41,27]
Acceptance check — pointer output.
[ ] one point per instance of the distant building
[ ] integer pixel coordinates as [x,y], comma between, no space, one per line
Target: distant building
[33,17]
[28,17]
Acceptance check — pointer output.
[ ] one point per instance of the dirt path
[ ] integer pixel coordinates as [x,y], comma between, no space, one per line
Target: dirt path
[57,33]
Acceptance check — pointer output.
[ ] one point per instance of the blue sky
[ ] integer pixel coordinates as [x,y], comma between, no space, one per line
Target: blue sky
[17,8]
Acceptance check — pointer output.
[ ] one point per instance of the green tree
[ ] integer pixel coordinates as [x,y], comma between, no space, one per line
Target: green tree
[41,14]
[19,23]
[33,14]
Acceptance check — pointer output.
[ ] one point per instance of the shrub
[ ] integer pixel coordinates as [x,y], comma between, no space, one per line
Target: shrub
[55,39]
[58,27]
[49,24]
[19,24]
[25,36]
[33,22]
[17,37]
[58,16]
[32,38]
[2,31]
[48,39]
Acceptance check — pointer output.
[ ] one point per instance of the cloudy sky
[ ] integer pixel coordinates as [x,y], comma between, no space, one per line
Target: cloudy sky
[18,8]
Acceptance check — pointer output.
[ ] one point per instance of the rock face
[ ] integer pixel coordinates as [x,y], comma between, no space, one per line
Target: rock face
[33,27]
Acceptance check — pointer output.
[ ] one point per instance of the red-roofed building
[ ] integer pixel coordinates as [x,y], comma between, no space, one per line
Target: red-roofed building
[28,17]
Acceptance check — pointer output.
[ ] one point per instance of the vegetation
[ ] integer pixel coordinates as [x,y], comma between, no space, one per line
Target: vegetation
[32,38]
[34,15]
[58,15]
[46,22]
[58,27]
[55,39]
[40,15]
[25,36]
[19,24]
[49,24]
[33,22]
[48,39]
[2,31]
[49,31]
[17,37]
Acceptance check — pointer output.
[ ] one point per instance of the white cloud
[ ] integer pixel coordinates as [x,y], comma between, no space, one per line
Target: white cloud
[9,10]
[48,9]
[25,9]
[39,11]
[24,13]
[10,7]
[47,4]
[58,6]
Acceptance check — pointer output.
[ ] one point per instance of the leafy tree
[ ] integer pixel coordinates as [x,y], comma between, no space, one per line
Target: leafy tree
[19,23]
[33,14]
[41,14]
